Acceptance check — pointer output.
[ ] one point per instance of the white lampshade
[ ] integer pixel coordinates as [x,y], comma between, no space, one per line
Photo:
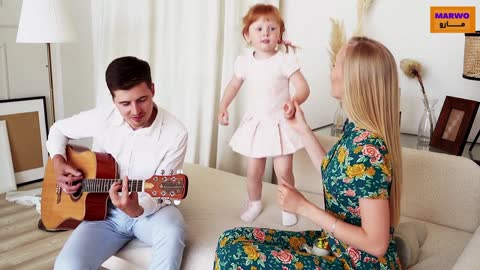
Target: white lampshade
[44,21]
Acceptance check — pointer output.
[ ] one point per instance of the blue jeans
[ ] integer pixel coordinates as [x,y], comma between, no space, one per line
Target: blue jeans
[93,242]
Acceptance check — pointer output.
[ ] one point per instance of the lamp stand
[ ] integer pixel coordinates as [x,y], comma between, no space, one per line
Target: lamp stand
[50,81]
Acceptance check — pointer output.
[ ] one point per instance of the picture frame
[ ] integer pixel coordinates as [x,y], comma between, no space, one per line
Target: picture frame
[454,124]
[7,176]
[26,121]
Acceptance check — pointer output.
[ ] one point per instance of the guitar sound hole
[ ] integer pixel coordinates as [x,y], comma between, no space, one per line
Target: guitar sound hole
[75,196]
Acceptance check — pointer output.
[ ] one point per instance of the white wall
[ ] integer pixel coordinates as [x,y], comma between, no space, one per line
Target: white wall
[404,27]
[77,61]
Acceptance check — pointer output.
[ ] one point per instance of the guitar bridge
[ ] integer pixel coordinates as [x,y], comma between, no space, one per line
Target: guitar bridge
[58,191]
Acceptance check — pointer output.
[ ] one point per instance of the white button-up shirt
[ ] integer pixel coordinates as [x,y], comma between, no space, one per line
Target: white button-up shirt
[139,153]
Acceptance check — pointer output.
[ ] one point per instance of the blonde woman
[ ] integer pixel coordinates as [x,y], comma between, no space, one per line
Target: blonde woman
[362,177]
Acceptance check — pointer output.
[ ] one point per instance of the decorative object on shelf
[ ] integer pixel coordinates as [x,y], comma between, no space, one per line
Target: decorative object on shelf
[471,65]
[7,177]
[27,132]
[339,119]
[427,122]
[337,39]
[362,9]
[45,21]
[413,69]
[454,124]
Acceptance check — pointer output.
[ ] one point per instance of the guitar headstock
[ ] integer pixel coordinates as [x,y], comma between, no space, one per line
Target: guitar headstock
[172,186]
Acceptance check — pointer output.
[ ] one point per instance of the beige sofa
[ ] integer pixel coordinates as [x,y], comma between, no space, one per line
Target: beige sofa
[440,190]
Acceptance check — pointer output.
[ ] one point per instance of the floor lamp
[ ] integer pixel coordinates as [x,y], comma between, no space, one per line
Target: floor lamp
[471,64]
[45,21]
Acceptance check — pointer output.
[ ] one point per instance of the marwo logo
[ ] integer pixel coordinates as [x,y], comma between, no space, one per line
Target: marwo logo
[452,19]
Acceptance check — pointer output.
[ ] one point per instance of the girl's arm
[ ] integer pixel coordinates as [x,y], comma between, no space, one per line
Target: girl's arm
[230,92]
[372,237]
[301,86]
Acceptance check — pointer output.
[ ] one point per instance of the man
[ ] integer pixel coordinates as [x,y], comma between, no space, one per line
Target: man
[144,140]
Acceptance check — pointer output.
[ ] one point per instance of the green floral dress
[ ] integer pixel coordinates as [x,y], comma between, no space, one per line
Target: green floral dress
[356,167]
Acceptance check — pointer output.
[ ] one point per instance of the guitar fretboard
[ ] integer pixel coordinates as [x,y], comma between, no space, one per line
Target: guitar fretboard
[103,185]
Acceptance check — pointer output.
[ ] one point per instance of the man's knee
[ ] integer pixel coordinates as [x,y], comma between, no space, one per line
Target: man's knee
[172,231]
[73,262]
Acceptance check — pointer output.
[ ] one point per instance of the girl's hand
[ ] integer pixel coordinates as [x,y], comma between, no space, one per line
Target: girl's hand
[289,109]
[297,122]
[223,117]
[289,198]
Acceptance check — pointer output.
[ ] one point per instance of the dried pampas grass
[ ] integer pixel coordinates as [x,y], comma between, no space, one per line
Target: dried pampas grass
[413,69]
[362,9]
[337,39]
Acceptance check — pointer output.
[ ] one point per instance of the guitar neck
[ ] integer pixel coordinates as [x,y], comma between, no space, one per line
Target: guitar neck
[98,185]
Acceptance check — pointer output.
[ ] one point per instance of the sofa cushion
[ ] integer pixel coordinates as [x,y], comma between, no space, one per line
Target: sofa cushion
[441,189]
[212,194]
[470,258]
[441,248]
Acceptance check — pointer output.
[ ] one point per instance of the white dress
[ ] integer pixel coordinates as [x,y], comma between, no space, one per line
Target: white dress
[263,131]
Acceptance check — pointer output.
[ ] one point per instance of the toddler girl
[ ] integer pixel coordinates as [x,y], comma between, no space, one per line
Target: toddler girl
[263,131]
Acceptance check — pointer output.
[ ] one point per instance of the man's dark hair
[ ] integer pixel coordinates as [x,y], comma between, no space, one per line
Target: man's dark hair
[126,72]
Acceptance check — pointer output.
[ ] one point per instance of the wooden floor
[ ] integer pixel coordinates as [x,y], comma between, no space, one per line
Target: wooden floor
[22,244]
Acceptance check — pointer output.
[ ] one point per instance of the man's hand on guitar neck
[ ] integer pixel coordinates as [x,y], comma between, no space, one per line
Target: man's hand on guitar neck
[66,175]
[127,202]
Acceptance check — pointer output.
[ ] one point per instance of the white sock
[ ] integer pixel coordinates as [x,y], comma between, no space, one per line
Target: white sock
[252,210]
[288,219]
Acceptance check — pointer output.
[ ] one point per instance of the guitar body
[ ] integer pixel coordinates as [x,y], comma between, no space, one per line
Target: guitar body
[60,210]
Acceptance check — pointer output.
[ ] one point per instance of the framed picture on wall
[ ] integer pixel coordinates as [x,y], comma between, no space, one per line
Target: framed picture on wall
[27,130]
[7,177]
[454,124]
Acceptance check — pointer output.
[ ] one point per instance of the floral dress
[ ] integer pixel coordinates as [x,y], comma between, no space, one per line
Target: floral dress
[356,167]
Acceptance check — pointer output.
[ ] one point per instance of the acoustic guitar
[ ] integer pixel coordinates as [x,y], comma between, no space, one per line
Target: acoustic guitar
[60,210]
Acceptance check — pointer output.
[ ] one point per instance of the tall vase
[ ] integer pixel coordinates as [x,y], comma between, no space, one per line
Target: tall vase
[338,121]
[427,122]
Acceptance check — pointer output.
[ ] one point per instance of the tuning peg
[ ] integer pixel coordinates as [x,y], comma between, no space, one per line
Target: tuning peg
[177,202]
[171,172]
[179,171]
[162,172]
[168,202]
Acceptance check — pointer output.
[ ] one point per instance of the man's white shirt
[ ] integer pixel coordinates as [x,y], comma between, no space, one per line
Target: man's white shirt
[139,153]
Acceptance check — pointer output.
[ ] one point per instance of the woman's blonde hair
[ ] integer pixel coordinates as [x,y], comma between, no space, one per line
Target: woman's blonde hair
[372,101]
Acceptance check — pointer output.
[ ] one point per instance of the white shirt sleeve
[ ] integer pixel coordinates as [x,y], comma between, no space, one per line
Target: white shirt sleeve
[290,65]
[173,160]
[83,125]
[240,67]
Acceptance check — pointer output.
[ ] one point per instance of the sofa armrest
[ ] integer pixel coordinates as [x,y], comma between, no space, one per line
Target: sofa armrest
[469,258]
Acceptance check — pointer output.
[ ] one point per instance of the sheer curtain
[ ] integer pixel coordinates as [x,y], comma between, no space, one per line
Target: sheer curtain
[191,47]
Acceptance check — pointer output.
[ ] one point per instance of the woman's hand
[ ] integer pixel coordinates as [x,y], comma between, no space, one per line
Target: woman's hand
[223,117]
[297,121]
[289,198]
[126,202]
